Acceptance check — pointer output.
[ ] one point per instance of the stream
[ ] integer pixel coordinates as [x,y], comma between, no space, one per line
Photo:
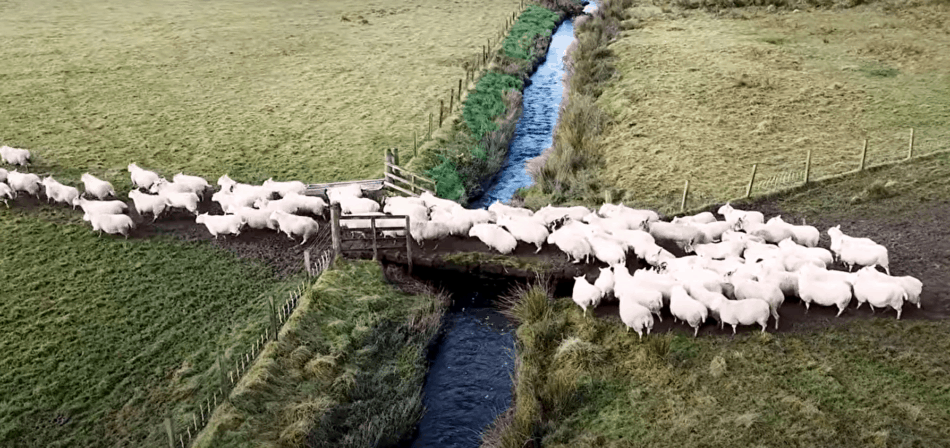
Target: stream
[469,379]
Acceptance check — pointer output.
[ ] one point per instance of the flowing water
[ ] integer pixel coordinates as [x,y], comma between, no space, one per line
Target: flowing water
[469,380]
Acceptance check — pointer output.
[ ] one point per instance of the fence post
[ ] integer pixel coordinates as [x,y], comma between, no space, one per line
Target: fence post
[685,193]
[808,166]
[460,93]
[451,99]
[335,228]
[430,126]
[273,317]
[395,157]
[748,190]
[170,430]
[415,148]
[910,148]
[306,262]
[372,228]
[224,379]
[864,154]
[441,111]
[408,246]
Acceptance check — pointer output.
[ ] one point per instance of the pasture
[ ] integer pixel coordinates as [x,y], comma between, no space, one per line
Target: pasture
[702,96]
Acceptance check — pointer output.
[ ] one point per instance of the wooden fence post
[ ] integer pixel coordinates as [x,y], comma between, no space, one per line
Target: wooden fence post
[335,228]
[441,111]
[408,246]
[864,154]
[910,148]
[451,99]
[808,166]
[224,379]
[395,157]
[685,193]
[306,262]
[430,127]
[170,430]
[273,317]
[460,93]
[415,148]
[748,190]
[372,228]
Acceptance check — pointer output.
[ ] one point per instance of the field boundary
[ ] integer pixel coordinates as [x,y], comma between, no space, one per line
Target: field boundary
[243,362]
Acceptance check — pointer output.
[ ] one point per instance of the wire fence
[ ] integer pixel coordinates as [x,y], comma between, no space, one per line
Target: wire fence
[230,375]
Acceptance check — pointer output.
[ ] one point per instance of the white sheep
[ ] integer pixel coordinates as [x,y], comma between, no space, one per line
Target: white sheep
[501,209]
[353,205]
[912,286]
[786,281]
[98,188]
[853,253]
[699,218]
[607,224]
[284,205]
[605,281]
[101,207]
[585,294]
[256,219]
[771,233]
[870,288]
[457,225]
[732,235]
[494,236]
[703,295]
[714,230]
[295,225]
[635,216]
[549,214]
[743,312]
[812,288]
[197,184]
[187,201]
[227,201]
[656,255]
[771,293]
[163,185]
[142,178]
[682,235]
[226,183]
[27,182]
[718,251]
[641,242]
[663,283]
[529,230]
[110,223]
[221,224]
[59,192]
[732,215]
[805,235]
[3,175]
[572,241]
[285,188]
[755,252]
[14,156]
[334,194]
[626,287]
[415,212]
[6,193]
[605,248]
[153,204]
[636,316]
[427,230]
[818,253]
[309,204]
[685,308]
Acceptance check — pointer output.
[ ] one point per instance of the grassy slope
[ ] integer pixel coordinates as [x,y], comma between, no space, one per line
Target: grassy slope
[349,367]
[108,333]
[702,97]
[254,89]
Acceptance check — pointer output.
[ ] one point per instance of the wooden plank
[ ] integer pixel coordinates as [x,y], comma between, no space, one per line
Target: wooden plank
[412,186]
[371,216]
[394,187]
[397,167]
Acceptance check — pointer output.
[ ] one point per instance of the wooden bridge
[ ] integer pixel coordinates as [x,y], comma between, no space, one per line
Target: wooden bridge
[406,182]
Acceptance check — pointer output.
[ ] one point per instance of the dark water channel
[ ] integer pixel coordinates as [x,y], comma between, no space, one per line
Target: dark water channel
[469,380]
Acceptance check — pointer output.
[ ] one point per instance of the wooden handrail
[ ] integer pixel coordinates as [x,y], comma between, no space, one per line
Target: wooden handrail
[372,216]
[411,185]
[395,187]
[397,167]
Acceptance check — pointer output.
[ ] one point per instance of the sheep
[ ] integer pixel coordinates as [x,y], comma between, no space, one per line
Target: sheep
[415,210]
[163,184]
[15,156]
[771,293]
[786,281]
[805,235]
[221,224]
[635,216]
[714,230]
[718,251]
[427,230]
[227,201]
[284,205]
[153,204]
[703,295]
[529,230]
[98,188]
[743,312]
[187,201]
[460,220]
[655,280]
[197,184]
[432,201]
[837,237]
[710,279]
[755,252]
[732,235]
[626,287]
[100,207]
[494,236]
[27,182]
[354,205]
[399,201]
[572,241]
[656,255]
[732,215]
[334,194]
[687,309]
[285,188]
[585,294]
[605,281]
[771,233]
[110,223]
[607,224]
[682,235]
[257,219]
[911,285]
[360,224]
[818,253]
[699,218]
[877,292]
[5,193]
[825,292]
[636,316]
[3,175]
[548,214]
[854,253]
[295,225]
[501,209]
[59,192]
[605,248]
[310,204]
[142,178]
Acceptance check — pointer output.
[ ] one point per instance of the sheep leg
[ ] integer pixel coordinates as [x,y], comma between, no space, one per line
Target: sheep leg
[898,313]
[859,304]
[696,330]
[733,329]
[872,307]
[841,310]
[806,307]
[539,249]
[775,315]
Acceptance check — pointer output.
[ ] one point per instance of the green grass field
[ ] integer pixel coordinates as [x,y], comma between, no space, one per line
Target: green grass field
[348,369]
[701,97]
[586,382]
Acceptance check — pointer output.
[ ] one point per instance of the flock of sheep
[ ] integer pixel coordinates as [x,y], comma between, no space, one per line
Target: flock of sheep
[243,204]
